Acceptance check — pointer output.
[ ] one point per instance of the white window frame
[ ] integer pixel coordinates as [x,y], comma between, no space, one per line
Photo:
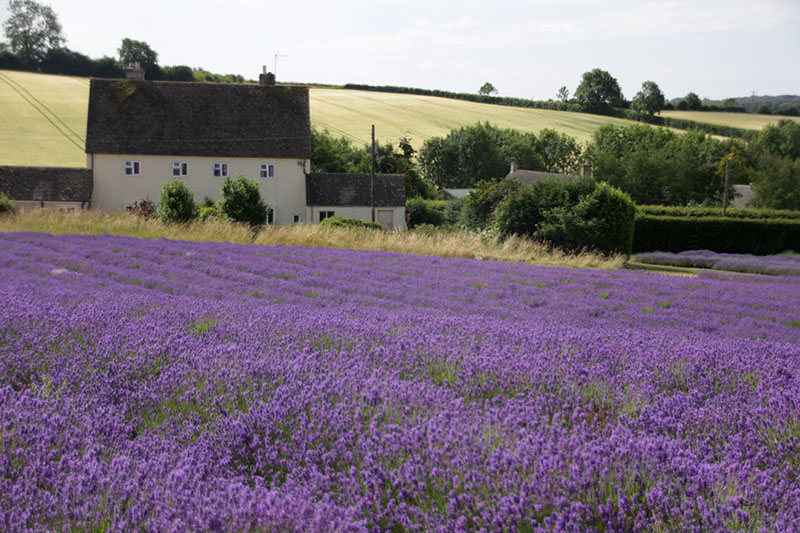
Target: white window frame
[296,218]
[133,168]
[221,170]
[180,168]
[266,171]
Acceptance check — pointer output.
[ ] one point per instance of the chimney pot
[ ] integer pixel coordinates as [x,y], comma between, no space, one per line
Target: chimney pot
[586,169]
[266,78]
[134,71]
[514,167]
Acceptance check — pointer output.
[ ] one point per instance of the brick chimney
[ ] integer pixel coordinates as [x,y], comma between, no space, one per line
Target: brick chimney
[514,167]
[134,71]
[586,169]
[266,78]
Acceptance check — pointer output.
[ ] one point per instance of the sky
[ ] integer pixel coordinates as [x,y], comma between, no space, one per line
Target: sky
[526,49]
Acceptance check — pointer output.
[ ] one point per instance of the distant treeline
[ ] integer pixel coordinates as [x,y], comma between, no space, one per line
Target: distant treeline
[677,123]
[786,104]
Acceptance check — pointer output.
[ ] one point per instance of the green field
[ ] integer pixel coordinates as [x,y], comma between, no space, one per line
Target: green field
[43,121]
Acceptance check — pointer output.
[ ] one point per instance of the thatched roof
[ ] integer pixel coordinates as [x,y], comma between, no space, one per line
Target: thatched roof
[337,189]
[46,184]
[198,119]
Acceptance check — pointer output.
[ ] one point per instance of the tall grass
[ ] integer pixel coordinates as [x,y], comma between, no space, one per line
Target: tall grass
[435,243]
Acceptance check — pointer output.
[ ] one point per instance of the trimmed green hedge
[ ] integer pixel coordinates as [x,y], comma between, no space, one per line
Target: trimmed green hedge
[678,211]
[421,211]
[718,234]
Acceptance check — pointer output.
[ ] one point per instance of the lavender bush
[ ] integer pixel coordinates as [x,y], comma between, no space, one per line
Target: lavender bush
[773,265]
[173,386]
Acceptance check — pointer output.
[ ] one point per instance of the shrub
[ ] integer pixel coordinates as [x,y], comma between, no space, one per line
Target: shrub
[242,201]
[212,212]
[344,222]
[481,203]
[572,215]
[176,202]
[145,208]
[6,205]
[421,211]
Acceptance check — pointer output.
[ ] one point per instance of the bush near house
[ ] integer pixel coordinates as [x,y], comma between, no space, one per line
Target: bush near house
[422,211]
[6,205]
[571,215]
[344,222]
[242,201]
[176,203]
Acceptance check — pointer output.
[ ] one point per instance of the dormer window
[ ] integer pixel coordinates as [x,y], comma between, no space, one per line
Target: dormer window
[133,168]
[180,168]
[266,171]
[221,170]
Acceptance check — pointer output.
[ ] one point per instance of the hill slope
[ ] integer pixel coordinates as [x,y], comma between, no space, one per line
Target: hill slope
[44,117]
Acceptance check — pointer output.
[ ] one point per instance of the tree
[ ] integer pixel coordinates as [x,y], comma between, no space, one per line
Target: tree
[242,201]
[132,51]
[32,29]
[563,94]
[176,202]
[178,73]
[559,152]
[649,100]
[693,102]
[487,89]
[598,92]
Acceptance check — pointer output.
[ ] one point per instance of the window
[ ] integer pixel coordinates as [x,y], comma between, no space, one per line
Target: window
[220,170]
[325,214]
[133,168]
[267,171]
[180,169]
[270,215]
[295,218]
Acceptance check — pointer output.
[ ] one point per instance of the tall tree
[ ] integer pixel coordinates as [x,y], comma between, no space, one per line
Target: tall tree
[693,102]
[649,100]
[32,29]
[132,51]
[598,91]
[563,94]
[487,89]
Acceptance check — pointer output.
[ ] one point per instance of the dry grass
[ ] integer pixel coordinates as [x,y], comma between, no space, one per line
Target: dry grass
[438,243]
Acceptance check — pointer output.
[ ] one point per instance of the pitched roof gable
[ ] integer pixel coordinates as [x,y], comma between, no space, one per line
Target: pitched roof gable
[340,189]
[198,119]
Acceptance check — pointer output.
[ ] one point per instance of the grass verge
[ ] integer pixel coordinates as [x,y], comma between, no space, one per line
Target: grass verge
[438,243]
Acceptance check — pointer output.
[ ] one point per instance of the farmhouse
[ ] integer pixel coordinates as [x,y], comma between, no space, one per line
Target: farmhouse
[141,134]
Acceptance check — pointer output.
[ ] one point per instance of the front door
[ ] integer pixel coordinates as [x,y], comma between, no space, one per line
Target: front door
[385,218]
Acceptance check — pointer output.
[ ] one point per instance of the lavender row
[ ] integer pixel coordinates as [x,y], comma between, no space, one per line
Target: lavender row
[775,265]
[169,385]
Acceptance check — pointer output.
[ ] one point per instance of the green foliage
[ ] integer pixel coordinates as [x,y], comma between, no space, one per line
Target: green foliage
[559,152]
[178,73]
[658,166]
[719,234]
[598,92]
[32,29]
[6,205]
[242,202]
[474,153]
[176,202]
[487,89]
[763,109]
[132,51]
[210,212]
[650,100]
[777,183]
[693,102]
[421,211]
[681,211]
[573,215]
[203,75]
[480,205]
[344,222]
[781,139]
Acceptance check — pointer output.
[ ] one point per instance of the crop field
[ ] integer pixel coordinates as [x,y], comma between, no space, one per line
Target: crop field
[182,386]
[750,121]
[778,265]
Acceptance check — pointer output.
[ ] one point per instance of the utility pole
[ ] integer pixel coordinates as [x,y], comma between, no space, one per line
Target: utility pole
[372,178]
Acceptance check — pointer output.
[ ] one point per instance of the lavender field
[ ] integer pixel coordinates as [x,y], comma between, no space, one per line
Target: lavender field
[174,386]
[773,265]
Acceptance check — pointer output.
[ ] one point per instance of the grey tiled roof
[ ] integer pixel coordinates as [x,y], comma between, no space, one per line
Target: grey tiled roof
[337,189]
[198,119]
[46,184]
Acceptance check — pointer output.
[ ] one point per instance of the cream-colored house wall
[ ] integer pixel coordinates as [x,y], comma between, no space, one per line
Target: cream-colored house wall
[114,190]
[361,213]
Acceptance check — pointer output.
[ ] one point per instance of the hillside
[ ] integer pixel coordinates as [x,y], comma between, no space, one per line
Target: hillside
[737,120]
[44,117]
